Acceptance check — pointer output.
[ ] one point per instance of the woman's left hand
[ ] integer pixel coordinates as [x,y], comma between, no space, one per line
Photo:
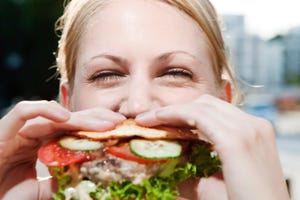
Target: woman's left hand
[245,144]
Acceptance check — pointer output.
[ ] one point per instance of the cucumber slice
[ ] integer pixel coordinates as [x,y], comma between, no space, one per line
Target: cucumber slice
[79,144]
[157,149]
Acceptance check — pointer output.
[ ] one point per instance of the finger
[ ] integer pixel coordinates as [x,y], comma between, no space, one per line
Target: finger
[174,115]
[207,114]
[211,122]
[174,118]
[12,122]
[46,187]
[212,187]
[148,118]
[230,130]
[96,119]
[188,189]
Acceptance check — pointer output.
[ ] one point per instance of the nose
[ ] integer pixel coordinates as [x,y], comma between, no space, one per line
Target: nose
[139,98]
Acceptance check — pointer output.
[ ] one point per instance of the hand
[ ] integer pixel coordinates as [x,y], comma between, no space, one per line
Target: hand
[244,143]
[22,131]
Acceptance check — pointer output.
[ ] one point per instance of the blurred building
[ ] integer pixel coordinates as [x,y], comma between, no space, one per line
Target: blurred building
[274,61]
[269,72]
[268,69]
[292,49]
[235,40]
[246,51]
[270,63]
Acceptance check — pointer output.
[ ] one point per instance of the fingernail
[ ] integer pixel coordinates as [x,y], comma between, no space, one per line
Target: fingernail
[120,118]
[145,117]
[141,117]
[97,125]
[105,125]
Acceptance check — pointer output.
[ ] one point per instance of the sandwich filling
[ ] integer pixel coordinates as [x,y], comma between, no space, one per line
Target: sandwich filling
[126,168]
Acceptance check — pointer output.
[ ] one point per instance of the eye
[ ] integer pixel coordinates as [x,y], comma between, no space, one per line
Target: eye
[178,73]
[106,76]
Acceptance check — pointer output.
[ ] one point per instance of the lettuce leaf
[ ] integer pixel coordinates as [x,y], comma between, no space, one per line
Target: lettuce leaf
[206,161]
[63,180]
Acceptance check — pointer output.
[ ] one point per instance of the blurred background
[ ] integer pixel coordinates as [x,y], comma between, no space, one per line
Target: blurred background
[263,41]
[27,43]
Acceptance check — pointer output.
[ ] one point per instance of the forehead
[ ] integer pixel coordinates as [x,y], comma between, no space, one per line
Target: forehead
[148,25]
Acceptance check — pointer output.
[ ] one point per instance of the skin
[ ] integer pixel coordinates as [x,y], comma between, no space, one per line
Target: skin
[134,62]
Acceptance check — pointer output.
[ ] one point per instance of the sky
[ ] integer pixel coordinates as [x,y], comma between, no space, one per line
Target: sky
[265,18]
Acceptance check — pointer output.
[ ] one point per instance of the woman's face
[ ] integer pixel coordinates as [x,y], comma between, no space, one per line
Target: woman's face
[136,55]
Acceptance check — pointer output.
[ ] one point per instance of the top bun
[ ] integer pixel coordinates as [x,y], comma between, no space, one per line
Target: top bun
[129,128]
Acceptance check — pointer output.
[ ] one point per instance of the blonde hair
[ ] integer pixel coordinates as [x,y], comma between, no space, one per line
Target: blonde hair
[77,13]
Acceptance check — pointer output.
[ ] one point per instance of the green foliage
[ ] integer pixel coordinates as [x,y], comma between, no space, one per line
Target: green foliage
[294,79]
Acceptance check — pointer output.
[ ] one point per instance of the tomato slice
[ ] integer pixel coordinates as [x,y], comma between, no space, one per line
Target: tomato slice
[123,151]
[52,154]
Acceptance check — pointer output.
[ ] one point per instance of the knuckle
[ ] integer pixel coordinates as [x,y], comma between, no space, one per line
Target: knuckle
[20,107]
[24,108]
[204,103]
[20,110]
[45,102]
[265,129]
[206,98]
[257,132]
[261,133]
[51,102]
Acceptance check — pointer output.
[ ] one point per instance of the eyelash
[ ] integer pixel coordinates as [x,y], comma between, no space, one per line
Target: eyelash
[105,76]
[178,72]
[108,76]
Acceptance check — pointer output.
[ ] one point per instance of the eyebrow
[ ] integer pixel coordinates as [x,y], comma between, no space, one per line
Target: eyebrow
[168,55]
[161,58]
[116,59]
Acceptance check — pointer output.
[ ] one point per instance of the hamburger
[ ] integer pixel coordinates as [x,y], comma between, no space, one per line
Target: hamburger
[128,162]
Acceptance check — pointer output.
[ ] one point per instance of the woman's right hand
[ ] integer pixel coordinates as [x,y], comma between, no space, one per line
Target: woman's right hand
[245,144]
[23,130]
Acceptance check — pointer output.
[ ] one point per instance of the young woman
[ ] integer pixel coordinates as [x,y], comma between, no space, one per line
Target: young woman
[158,62]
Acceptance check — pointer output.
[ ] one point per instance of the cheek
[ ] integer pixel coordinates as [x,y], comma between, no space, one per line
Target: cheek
[182,95]
[88,98]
